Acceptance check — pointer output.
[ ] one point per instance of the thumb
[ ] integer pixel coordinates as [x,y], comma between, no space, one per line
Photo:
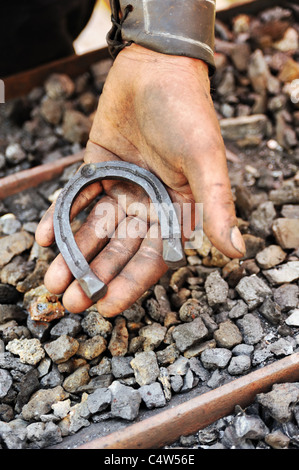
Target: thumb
[208,178]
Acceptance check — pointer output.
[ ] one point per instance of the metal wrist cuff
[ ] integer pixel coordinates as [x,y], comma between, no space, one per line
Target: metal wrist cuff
[174,27]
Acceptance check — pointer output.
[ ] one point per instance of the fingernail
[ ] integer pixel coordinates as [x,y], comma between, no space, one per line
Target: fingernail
[237,240]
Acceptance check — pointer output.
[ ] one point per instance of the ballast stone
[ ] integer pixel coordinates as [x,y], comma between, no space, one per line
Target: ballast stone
[152,395]
[253,290]
[215,358]
[125,401]
[189,334]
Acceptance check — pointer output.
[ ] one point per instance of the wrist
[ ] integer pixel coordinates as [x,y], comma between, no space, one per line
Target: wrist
[169,27]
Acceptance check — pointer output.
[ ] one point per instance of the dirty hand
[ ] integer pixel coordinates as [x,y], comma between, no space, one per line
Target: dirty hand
[155,111]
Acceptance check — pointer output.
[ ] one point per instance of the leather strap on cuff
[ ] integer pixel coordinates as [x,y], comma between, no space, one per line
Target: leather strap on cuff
[175,27]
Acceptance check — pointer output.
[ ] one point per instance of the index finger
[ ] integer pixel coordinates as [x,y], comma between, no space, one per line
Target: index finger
[44,234]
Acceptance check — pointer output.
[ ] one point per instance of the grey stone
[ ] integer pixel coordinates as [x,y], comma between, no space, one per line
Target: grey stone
[187,441]
[16,270]
[9,224]
[251,328]
[209,322]
[168,355]
[243,349]
[8,361]
[135,313]
[95,324]
[239,364]
[78,378]
[238,310]
[270,256]
[179,367]
[61,408]
[281,347]
[271,311]
[250,427]
[277,440]
[198,369]
[100,381]
[125,401]
[10,438]
[216,380]
[208,434]
[189,310]
[290,211]
[261,219]
[241,127]
[61,349]
[152,395]
[154,310]
[197,349]
[99,400]
[231,440]
[286,232]
[15,244]
[9,295]
[164,379]
[52,379]
[74,421]
[280,401]
[43,434]
[5,382]
[15,154]
[38,329]
[228,335]
[145,366]
[92,347]
[293,318]
[216,289]
[104,367]
[120,366]
[287,296]
[28,384]
[68,325]
[176,382]
[189,334]
[215,358]
[30,350]
[253,290]
[190,381]
[44,366]
[154,334]
[284,195]
[287,272]
[260,355]
[59,85]
[41,401]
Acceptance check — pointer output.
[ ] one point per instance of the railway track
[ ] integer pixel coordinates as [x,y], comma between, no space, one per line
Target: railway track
[188,412]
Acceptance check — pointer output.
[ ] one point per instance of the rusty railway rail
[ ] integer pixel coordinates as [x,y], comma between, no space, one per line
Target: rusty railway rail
[197,413]
[32,177]
[164,427]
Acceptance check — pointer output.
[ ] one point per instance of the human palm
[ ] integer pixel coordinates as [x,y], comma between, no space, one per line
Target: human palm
[156,112]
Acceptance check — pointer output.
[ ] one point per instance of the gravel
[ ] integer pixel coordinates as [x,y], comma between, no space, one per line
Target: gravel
[201,326]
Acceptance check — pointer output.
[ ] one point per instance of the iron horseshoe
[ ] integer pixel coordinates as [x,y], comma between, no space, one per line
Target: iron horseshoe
[173,253]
